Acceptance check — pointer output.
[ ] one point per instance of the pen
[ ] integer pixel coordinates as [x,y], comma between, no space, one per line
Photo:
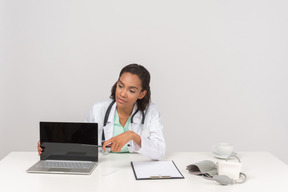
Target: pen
[110,146]
[160,177]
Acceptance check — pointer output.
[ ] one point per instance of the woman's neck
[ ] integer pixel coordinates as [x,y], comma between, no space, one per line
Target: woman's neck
[124,112]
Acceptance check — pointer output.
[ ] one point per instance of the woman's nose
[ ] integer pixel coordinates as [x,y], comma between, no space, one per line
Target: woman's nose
[123,93]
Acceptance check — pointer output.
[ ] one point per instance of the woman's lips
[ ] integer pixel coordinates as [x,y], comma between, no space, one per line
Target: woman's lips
[121,101]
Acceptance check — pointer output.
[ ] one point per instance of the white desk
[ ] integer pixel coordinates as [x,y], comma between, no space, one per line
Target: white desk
[114,173]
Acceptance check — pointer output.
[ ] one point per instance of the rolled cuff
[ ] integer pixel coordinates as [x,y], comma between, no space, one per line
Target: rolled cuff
[149,148]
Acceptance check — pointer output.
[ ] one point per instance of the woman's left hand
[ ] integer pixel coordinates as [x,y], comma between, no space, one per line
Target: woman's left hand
[119,141]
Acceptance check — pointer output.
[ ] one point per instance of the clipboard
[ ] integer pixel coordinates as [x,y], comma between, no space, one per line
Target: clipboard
[145,170]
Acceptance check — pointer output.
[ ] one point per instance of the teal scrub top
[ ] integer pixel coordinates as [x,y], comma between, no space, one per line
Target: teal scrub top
[119,129]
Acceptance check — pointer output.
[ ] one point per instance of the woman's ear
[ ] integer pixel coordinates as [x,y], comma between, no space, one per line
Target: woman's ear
[142,94]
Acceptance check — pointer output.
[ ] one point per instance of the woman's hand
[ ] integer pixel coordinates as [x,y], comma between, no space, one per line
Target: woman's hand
[39,148]
[119,141]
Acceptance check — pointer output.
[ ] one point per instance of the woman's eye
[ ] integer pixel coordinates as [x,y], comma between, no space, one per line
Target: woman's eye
[132,91]
[120,86]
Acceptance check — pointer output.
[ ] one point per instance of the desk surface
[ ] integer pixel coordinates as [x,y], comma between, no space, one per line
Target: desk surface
[114,173]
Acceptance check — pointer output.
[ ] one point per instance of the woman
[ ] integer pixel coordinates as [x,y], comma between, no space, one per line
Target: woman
[129,122]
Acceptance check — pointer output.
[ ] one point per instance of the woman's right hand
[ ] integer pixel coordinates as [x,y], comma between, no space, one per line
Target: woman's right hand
[39,148]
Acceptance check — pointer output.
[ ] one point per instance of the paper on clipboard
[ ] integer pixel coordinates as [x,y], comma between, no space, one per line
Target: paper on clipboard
[156,170]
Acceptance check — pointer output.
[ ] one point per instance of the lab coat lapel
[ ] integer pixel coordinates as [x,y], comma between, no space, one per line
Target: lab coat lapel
[108,129]
[136,120]
[137,125]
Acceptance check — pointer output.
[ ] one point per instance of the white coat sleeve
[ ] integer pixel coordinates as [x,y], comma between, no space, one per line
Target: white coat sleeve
[153,143]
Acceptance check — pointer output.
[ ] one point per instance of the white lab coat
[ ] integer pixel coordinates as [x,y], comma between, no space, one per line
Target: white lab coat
[152,140]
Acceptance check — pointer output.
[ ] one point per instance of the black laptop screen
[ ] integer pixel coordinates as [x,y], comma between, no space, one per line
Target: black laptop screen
[69,141]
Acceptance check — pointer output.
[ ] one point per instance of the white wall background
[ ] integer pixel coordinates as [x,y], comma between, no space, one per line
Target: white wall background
[219,67]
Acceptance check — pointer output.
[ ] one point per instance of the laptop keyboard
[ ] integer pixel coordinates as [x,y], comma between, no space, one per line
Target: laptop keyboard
[66,164]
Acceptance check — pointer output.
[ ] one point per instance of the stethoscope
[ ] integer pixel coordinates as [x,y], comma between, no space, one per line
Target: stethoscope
[107,116]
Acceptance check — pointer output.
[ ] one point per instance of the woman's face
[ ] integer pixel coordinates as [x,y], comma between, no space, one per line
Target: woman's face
[128,91]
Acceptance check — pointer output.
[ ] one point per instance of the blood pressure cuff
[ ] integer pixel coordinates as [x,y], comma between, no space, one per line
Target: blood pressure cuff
[203,168]
[208,170]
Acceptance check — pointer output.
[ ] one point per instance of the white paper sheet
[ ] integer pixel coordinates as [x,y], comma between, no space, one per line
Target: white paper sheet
[155,169]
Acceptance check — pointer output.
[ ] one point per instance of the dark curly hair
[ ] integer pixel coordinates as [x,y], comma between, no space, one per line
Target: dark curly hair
[144,76]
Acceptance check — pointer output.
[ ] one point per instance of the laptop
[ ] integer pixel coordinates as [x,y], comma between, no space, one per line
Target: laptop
[68,148]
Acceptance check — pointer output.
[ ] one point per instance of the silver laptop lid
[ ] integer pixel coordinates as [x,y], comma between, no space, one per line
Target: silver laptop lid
[69,141]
